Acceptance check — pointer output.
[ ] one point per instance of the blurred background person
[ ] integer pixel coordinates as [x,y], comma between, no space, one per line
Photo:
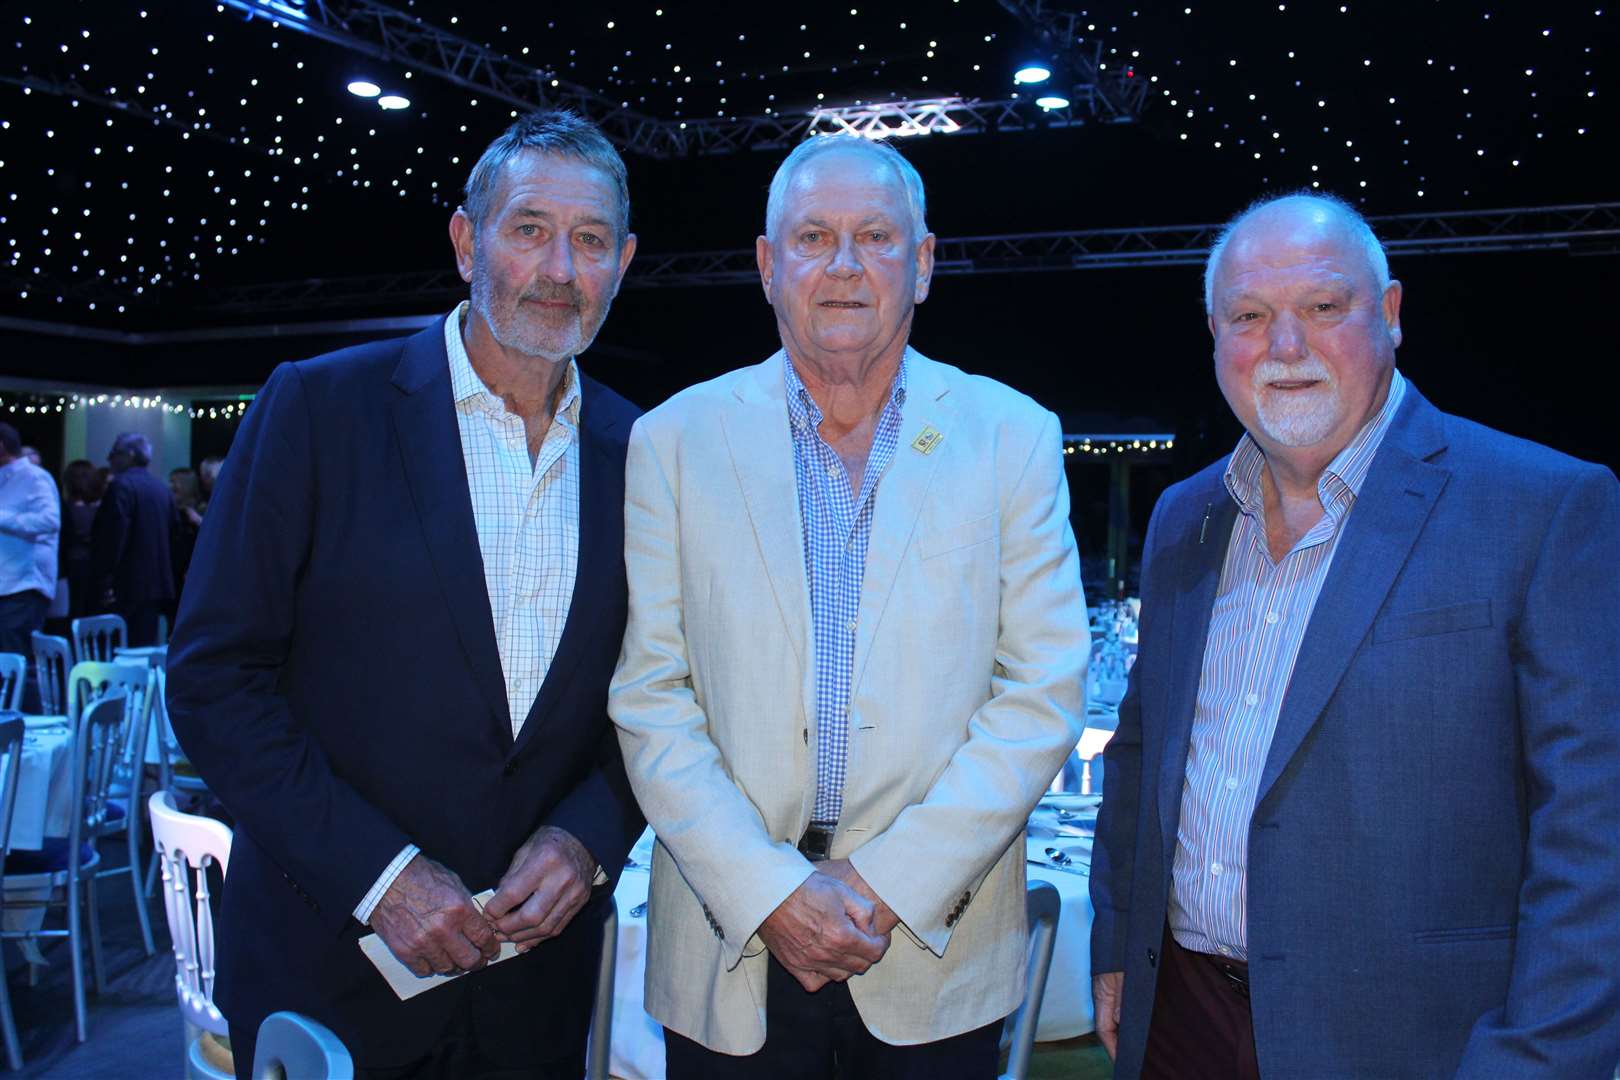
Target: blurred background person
[131,540]
[29,521]
[82,488]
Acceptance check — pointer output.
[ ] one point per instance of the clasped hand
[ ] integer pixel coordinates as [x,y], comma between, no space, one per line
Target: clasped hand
[827,930]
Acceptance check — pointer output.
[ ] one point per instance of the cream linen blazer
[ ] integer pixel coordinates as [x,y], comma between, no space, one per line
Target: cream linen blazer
[968,693]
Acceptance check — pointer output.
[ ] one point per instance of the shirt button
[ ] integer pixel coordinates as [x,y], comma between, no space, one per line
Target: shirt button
[850,626]
[1231,783]
[1224,951]
[1215,868]
[1252,699]
[1271,617]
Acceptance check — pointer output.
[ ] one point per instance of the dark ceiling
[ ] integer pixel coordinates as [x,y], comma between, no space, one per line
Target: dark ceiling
[152,160]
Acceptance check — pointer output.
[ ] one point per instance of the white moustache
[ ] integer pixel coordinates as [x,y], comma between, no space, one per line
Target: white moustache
[1272,371]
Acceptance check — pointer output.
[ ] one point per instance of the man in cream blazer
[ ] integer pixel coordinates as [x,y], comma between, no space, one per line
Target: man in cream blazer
[854,660]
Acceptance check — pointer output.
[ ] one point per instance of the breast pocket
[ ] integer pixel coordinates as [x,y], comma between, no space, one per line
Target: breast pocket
[955,537]
[1472,615]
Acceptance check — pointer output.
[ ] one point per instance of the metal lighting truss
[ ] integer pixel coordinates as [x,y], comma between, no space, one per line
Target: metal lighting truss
[1585,229]
[1115,95]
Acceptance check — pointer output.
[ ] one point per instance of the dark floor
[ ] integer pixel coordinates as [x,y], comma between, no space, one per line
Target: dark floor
[135,1029]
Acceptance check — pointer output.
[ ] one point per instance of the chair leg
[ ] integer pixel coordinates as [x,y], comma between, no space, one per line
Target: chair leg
[76,951]
[151,874]
[13,1047]
[96,962]
[137,887]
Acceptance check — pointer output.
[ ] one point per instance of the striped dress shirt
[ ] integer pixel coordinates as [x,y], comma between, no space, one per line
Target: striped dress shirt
[1259,619]
[837,527]
[527,517]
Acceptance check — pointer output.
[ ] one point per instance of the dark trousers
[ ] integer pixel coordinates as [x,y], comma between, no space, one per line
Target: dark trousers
[456,1056]
[22,613]
[1201,1028]
[141,621]
[820,1036]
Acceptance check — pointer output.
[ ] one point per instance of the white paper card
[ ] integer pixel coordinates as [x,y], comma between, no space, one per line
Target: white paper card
[404,982]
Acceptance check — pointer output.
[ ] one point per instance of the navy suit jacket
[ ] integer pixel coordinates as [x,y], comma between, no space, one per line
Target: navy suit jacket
[130,540]
[334,676]
[1434,856]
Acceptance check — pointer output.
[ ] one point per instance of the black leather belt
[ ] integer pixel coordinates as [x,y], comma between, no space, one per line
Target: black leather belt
[816,843]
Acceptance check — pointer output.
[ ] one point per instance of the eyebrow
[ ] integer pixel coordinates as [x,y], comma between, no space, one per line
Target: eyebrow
[546,215]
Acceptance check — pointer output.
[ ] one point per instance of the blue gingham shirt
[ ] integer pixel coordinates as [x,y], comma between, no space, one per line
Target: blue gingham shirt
[837,528]
[1261,611]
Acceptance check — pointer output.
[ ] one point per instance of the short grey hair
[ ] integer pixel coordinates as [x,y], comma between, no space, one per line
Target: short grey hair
[1359,229]
[905,172]
[136,445]
[546,131]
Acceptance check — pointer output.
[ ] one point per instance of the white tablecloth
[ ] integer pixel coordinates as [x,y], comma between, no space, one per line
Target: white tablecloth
[45,785]
[638,1040]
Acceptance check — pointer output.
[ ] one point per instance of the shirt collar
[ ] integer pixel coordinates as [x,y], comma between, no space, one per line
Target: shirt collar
[802,408]
[1340,483]
[467,388]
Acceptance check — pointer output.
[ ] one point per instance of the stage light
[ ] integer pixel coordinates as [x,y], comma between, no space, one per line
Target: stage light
[394,101]
[1032,73]
[362,88]
[1052,101]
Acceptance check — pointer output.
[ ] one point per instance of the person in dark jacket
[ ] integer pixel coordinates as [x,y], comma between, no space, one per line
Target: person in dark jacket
[130,541]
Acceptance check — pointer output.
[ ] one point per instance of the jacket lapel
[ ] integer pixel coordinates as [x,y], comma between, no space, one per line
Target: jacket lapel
[761,446]
[1204,537]
[900,494]
[601,540]
[429,441]
[1399,493]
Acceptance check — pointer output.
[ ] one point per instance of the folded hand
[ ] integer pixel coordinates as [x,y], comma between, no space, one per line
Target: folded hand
[430,923]
[546,885]
[824,932]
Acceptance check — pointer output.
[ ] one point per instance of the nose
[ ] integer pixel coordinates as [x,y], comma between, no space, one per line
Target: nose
[558,261]
[1287,338]
[844,262]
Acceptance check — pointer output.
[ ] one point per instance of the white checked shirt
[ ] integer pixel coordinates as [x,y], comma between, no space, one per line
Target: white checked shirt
[527,516]
[1256,626]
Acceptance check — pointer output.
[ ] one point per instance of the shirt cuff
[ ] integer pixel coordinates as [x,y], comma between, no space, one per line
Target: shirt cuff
[368,903]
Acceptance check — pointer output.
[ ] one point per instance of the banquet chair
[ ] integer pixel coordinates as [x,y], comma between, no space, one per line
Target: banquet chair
[96,637]
[292,1046]
[66,871]
[599,1048]
[1018,1034]
[182,780]
[87,681]
[13,674]
[52,658]
[187,845]
[11,741]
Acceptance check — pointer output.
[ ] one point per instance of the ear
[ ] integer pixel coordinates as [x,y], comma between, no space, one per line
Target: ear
[1209,320]
[766,259]
[1392,312]
[463,238]
[627,251]
[925,267]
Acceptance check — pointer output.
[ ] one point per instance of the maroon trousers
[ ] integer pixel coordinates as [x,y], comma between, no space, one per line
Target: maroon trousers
[1201,1027]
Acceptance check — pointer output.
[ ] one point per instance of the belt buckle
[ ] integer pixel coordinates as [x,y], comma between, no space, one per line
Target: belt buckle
[816,843]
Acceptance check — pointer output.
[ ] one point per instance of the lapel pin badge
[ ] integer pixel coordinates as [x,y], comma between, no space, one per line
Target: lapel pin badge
[927,440]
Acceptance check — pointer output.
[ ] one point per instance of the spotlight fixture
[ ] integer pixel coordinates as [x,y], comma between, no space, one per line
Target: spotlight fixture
[362,88]
[1031,73]
[394,101]
[1052,101]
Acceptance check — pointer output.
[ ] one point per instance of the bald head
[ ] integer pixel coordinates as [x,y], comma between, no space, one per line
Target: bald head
[1300,218]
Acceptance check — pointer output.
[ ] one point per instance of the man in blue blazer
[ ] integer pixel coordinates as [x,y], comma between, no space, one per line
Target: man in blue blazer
[1361,810]
[392,657]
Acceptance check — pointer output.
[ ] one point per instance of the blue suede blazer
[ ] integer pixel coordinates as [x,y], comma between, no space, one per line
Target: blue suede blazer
[1434,856]
[334,677]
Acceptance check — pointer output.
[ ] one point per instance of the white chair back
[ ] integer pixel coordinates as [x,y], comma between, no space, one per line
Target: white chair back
[1043,904]
[291,1046]
[52,658]
[95,637]
[13,674]
[187,846]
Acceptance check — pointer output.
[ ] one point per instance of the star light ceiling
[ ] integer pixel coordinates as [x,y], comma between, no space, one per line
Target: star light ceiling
[147,154]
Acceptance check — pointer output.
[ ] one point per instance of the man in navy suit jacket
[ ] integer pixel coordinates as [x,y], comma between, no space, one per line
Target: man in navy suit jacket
[1360,813]
[130,540]
[393,653]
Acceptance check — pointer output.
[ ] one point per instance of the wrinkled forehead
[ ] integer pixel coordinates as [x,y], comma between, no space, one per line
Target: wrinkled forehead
[536,176]
[845,183]
[1307,245]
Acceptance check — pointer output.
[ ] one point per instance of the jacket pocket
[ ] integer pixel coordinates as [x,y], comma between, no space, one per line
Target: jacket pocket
[1472,615]
[1462,933]
[952,537]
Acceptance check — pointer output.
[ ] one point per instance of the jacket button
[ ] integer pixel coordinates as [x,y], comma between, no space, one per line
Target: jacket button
[511,767]
[1153,958]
